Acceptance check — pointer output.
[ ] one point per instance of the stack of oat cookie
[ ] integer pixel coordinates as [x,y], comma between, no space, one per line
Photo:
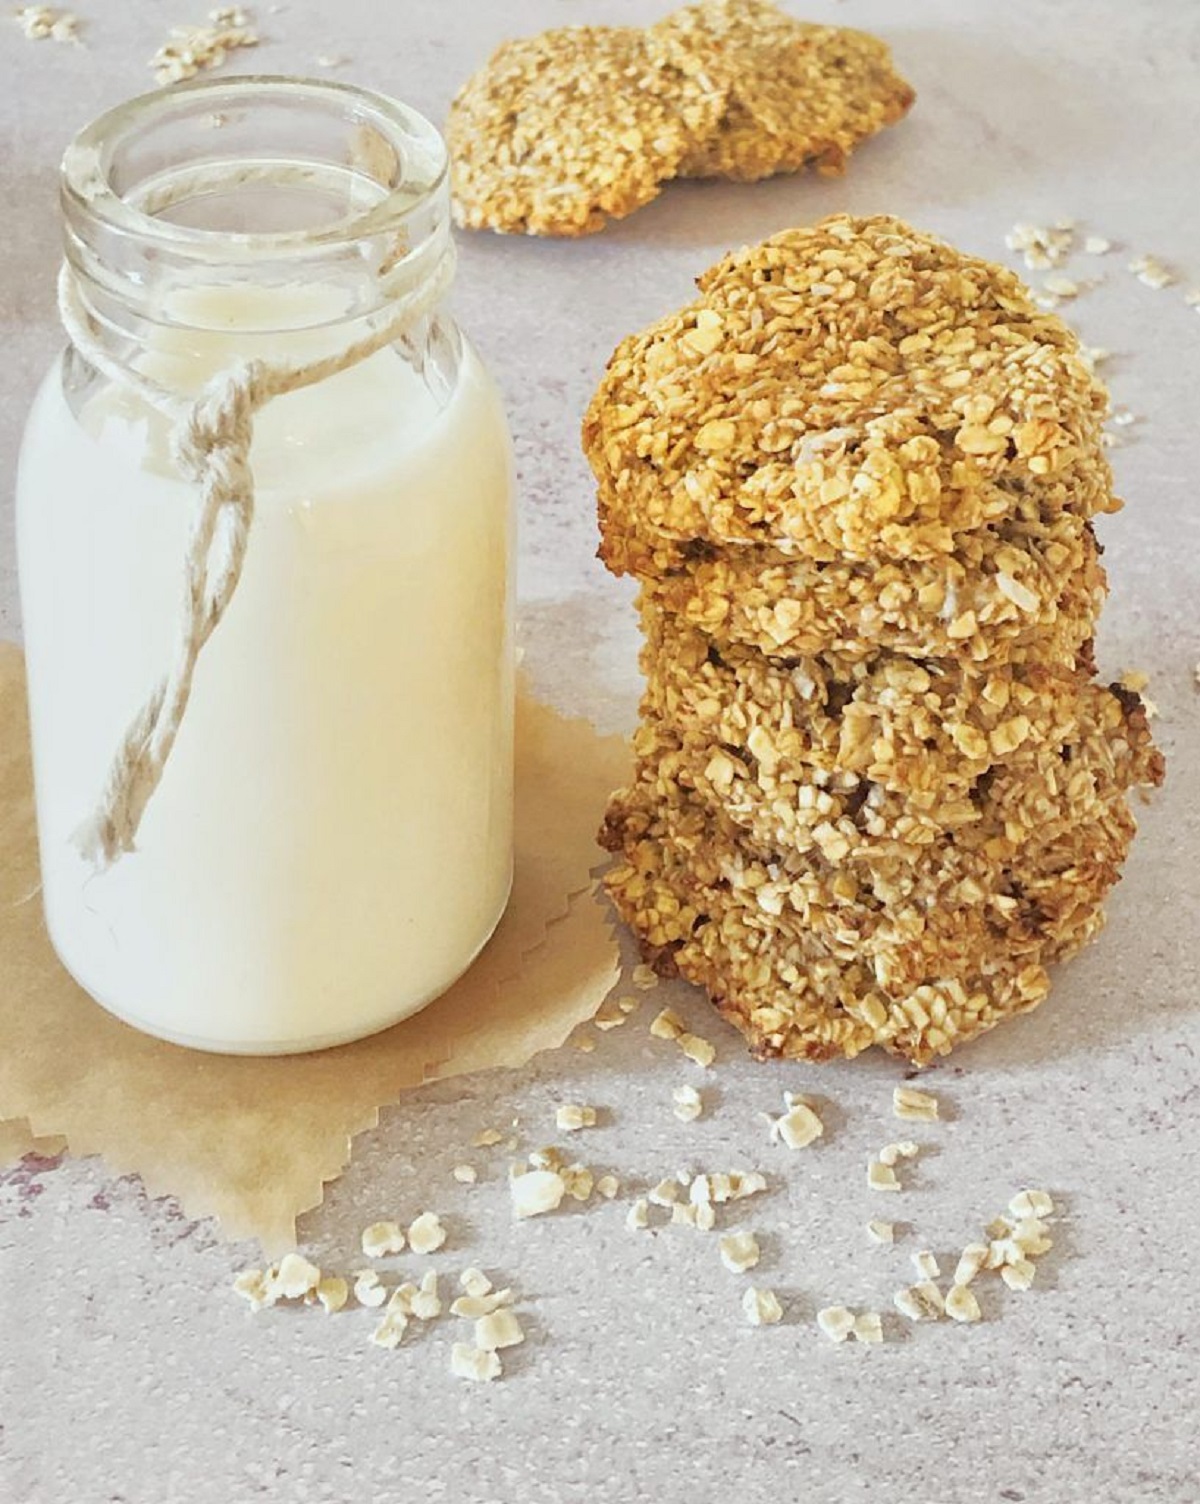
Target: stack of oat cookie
[878,787]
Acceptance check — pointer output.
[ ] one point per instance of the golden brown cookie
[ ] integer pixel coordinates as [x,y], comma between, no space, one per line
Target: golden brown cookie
[561,132]
[798,95]
[855,391]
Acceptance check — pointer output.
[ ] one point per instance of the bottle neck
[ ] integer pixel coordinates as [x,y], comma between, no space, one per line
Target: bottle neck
[254,220]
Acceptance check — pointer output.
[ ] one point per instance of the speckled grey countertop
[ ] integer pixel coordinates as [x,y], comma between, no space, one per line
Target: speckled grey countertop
[128,1372]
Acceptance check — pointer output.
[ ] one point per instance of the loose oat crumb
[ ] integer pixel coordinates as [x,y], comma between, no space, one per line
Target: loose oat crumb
[1029,1235]
[578,1181]
[465,1174]
[761,1307]
[584,1043]
[920,1302]
[961,1304]
[667,1025]
[549,1158]
[1152,272]
[739,1251]
[1032,1204]
[665,1193]
[970,1262]
[474,1282]
[1042,246]
[926,1264]
[868,1327]
[1094,356]
[881,1177]
[683,1214]
[687,1104]
[40,23]
[426,1234]
[697,1048]
[498,1329]
[253,1285]
[486,1137]
[891,1153]
[607,1186]
[1097,245]
[295,1277]
[473,1306]
[628,1004]
[391,1329]
[473,1363]
[426,1302]
[572,1116]
[638,1215]
[915,1106]
[368,1291]
[192,49]
[332,1292]
[536,1192]
[1018,1275]
[836,1322]
[799,1126]
[1060,286]
[644,977]
[881,1232]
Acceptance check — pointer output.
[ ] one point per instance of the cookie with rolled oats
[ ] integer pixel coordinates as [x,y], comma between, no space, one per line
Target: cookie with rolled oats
[560,132]
[798,95]
[851,391]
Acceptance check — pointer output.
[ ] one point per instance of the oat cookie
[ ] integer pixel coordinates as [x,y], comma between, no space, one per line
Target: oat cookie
[798,95]
[561,132]
[854,391]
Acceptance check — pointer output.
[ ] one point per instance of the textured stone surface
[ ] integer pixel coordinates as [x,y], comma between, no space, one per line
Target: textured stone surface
[130,1373]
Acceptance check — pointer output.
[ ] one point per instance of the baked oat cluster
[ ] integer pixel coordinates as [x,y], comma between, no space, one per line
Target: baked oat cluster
[563,131]
[878,787]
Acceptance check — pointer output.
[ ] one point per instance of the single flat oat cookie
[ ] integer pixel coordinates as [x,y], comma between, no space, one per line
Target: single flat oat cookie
[798,94]
[561,132]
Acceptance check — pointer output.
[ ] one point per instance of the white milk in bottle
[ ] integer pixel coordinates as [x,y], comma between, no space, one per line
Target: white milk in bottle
[329,843]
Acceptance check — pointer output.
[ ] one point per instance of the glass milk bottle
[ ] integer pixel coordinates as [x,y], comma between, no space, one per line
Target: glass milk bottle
[264,532]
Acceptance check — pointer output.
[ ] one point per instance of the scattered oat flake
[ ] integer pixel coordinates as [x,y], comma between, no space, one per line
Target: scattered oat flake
[474,1281]
[761,1307]
[836,1322]
[638,1215]
[799,1126]
[1152,272]
[1097,245]
[913,1105]
[426,1235]
[499,1328]
[465,1174]
[390,1330]
[697,1048]
[667,1025]
[628,1004]
[970,1262]
[536,1192]
[332,1292]
[1018,1275]
[607,1186]
[920,1302]
[40,23]
[644,977]
[472,1307]
[739,1251]
[881,1232]
[926,1264]
[687,1103]
[474,1363]
[253,1285]
[549,1158]
[1032,1204]
[891,1153]
[295,1277]
[426,1302]
[572,1116]
[961,1304]
[1042,246]
[1060,286]
[368,1290]
[868,1327]
[665,1193]
[577,1181]
[193,49]
[683,1214]
[584,1043]
[486,1137]
[881,1177]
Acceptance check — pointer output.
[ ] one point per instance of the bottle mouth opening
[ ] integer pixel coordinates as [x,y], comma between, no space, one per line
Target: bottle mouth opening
[252,169]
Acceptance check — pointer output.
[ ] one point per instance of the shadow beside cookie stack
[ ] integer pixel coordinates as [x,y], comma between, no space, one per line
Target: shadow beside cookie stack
[878,788]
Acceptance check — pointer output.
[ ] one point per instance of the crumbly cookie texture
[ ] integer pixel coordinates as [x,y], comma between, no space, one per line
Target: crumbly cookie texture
[877,787]
[563,131]
[797,95]
[851,391]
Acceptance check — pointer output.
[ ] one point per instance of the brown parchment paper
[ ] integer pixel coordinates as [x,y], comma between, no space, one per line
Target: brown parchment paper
[253,1141]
